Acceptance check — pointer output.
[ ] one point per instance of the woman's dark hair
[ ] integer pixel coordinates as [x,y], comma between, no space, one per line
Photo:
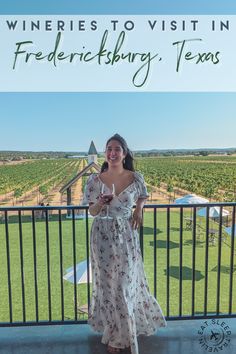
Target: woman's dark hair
[128,163]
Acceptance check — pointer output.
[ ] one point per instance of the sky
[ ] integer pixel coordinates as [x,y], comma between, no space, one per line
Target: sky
[118,7]
[69,121]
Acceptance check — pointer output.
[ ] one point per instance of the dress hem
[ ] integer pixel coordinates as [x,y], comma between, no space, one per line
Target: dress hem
[137,334]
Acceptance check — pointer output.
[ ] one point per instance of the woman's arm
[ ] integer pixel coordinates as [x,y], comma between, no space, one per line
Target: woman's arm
[137,214]
[95,208]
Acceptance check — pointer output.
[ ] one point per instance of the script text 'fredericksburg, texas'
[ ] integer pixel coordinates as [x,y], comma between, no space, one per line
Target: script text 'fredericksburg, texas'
[185,50]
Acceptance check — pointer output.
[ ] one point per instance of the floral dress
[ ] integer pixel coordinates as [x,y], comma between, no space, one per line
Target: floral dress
[122,306]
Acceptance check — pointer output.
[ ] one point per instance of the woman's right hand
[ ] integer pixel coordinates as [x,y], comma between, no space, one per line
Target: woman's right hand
[105,199]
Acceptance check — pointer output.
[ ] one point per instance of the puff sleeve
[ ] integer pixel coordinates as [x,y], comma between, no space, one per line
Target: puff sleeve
[92,190]
[142,192]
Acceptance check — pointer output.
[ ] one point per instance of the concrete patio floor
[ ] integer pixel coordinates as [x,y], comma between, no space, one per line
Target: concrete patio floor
[179,337]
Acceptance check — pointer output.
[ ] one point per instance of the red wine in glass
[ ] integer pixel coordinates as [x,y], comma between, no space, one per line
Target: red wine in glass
[108,197]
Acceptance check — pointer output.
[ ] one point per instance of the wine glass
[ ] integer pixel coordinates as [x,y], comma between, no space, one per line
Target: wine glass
[107,194]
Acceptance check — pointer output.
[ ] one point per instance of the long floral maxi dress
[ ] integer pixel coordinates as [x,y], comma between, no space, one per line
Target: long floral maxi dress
[122,306]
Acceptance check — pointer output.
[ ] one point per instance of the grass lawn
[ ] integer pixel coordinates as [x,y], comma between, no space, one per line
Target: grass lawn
[187,274]
[67,240]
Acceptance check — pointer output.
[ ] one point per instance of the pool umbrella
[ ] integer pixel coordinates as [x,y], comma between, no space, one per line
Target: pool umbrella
[228,230]
[81,273]
[191,199]
[214,212]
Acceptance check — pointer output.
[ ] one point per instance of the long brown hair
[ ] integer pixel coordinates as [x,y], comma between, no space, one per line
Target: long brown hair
[128,163]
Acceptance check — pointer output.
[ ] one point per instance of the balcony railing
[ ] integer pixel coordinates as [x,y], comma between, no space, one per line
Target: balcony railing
[188,258]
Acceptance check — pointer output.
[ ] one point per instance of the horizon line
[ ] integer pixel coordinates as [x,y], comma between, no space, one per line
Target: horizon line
[136,150]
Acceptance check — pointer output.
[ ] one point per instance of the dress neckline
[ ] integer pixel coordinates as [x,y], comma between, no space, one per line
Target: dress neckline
[117,195]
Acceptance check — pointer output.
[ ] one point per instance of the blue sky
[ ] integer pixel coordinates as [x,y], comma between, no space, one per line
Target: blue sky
[118,7]
[68,121]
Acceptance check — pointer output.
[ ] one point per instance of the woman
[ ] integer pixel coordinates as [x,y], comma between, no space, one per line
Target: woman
[121,307]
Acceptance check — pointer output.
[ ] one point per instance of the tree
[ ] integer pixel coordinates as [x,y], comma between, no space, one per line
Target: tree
[169,189]
[204,153]
[43,190]
[18,193]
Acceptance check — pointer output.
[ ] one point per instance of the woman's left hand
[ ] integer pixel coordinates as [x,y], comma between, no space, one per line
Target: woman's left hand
[137,218]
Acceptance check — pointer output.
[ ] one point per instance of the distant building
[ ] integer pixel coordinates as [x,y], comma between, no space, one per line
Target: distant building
[92,153]
[77,156]
[91,167]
